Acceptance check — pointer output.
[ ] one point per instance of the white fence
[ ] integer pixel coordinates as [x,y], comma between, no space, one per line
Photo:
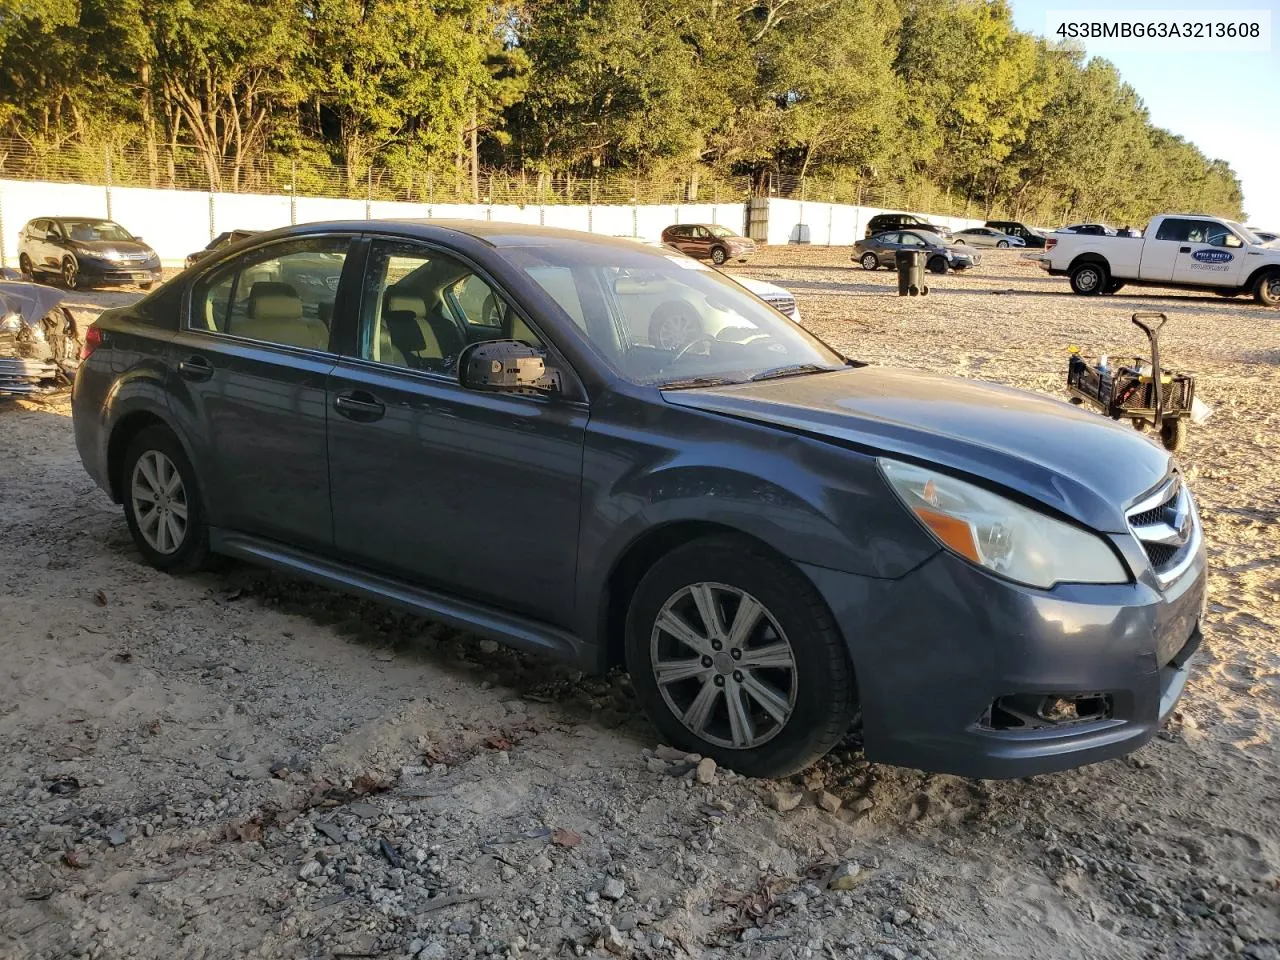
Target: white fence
[177,222]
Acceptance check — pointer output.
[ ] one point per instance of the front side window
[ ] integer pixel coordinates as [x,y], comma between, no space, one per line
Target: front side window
[666,320]
[911,240]
[421,308]
[283,293]
[1219,236]
[723,232]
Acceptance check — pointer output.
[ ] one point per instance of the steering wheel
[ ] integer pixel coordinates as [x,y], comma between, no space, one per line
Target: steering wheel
[685,349]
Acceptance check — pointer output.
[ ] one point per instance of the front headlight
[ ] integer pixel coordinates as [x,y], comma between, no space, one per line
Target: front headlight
[1006,538]
[11,324]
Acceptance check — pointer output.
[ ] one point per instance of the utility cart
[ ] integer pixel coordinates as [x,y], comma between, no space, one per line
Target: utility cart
[1166,403]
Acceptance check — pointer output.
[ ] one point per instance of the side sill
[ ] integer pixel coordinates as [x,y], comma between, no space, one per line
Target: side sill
[508,628]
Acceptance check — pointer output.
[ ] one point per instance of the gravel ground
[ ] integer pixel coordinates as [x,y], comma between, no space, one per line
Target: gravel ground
[238,764]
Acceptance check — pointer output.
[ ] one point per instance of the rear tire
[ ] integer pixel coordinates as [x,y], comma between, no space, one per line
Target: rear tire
[795,701]
[1173,434]
[164,514]
[870,261]
[1267,290]
[1088,279]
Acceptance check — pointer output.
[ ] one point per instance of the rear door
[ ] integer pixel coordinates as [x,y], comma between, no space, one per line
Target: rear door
[474,493]
[1213,256]
[1160,253]
[250,369]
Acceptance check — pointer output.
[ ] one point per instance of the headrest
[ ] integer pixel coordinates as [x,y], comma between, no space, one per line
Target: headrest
[406,302]
[402,328]
[275,308]
[271,288]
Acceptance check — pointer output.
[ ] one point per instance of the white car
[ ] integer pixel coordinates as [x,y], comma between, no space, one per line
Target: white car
[1178,250]
[986,237]
[775,296]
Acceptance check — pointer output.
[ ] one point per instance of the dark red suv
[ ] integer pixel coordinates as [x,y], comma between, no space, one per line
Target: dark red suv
[707,241]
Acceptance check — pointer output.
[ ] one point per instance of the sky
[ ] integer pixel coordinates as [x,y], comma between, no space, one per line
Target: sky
[1224,103]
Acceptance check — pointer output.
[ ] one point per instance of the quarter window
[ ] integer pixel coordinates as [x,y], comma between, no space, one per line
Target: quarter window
[283,293]
[421,308]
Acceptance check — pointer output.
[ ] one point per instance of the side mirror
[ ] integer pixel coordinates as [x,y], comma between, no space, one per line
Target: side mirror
[137,239]
[506,366]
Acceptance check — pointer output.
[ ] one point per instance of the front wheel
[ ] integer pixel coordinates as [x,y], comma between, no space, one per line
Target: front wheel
[1088,279]
[1003,244]
[870,261]
[70,274]
[25,268]
[734,655]
[162,503]
[937,265]
[719,255]
[1267,292]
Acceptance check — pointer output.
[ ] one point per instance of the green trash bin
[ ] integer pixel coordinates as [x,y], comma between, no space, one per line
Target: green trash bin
[910,266]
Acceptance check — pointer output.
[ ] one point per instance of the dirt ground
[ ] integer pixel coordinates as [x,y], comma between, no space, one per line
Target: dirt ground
[238,764]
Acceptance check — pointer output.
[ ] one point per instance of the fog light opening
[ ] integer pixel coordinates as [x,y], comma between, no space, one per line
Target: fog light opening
[1036,711]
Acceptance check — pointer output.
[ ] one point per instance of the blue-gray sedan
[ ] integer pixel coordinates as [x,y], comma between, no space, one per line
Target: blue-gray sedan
[470,421]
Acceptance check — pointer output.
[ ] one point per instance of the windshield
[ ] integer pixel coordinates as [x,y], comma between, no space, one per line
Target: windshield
[89,231]
[722,232]
[667,320]
[931,238]
[1245,233]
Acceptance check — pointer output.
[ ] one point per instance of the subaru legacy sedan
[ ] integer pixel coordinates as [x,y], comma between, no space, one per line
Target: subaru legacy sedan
[779,543]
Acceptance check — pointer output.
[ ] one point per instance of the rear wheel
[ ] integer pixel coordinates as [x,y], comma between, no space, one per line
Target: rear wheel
[734,655]
[1267,291]
[1173,434]
[162,502]
[937,264]
[719,255]
[870,261]
[1088,279]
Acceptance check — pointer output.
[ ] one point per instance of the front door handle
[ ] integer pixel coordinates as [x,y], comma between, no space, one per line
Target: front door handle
[1184,249]
[359,405]
[195,368]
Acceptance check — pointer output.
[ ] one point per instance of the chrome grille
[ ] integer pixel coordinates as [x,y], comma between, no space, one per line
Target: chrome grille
[1166,524]
[785,305]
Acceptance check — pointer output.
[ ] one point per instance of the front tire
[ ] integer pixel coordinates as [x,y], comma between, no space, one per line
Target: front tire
[937,265]
[1088,279]
[1003,244]
[162,503]
[870,261]
[734,655]
[1173,434]
[70,274]
[719,255]
[1267,291]
[26,269]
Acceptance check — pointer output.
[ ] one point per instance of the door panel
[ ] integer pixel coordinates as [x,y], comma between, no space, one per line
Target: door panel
[1213,256]
[476,493]
[1158,259]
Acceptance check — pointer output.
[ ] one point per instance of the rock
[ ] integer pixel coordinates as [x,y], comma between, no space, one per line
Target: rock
[614,942]
[846,877]
[309,870]
[901,917]
[365,811]
[488,647]
[829,801]
[116,837]
[890,952]
[330,830]
[433,951]
[863,804]
[656,765]
[591,896]
[750,934]
[614,889]
[670,754]
[1149,909]
[785,800]
[706,772]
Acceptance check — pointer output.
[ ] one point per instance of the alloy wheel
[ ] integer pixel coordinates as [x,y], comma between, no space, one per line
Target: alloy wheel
[159,502]
[723,665]
[70,274]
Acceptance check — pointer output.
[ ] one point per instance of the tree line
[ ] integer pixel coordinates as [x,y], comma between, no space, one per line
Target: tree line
[942,94]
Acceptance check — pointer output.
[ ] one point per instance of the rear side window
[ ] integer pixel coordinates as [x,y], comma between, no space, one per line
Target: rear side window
[1183,231]
[283,293]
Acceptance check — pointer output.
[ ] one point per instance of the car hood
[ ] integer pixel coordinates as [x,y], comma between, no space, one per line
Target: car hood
[761,288]
[1078,463]
[103,248]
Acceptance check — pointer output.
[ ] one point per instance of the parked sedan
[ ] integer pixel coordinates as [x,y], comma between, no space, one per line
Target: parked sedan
[778,542]
[1266,236]
[85,252]
[706,241]
[878,251]
[1093,229]
[224,239]
[987,237]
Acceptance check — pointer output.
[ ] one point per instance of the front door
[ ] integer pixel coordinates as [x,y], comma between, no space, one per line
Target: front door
[249,371]
[474,493]
[51,248]
[1213,256]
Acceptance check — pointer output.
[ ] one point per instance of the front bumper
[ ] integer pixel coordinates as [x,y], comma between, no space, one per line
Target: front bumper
[935,650]
[110,273]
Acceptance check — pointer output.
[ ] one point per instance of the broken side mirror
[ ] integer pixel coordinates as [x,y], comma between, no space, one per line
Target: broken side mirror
[507,366]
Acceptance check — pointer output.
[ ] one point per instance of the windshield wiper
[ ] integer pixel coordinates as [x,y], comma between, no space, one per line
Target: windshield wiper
[690,382]
[792,370]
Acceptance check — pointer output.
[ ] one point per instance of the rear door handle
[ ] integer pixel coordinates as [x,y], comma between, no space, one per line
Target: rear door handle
[1184,249]
[359,405]
[195,368]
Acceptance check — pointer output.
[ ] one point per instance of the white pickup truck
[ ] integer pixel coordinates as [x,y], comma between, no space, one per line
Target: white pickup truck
[1177,250]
